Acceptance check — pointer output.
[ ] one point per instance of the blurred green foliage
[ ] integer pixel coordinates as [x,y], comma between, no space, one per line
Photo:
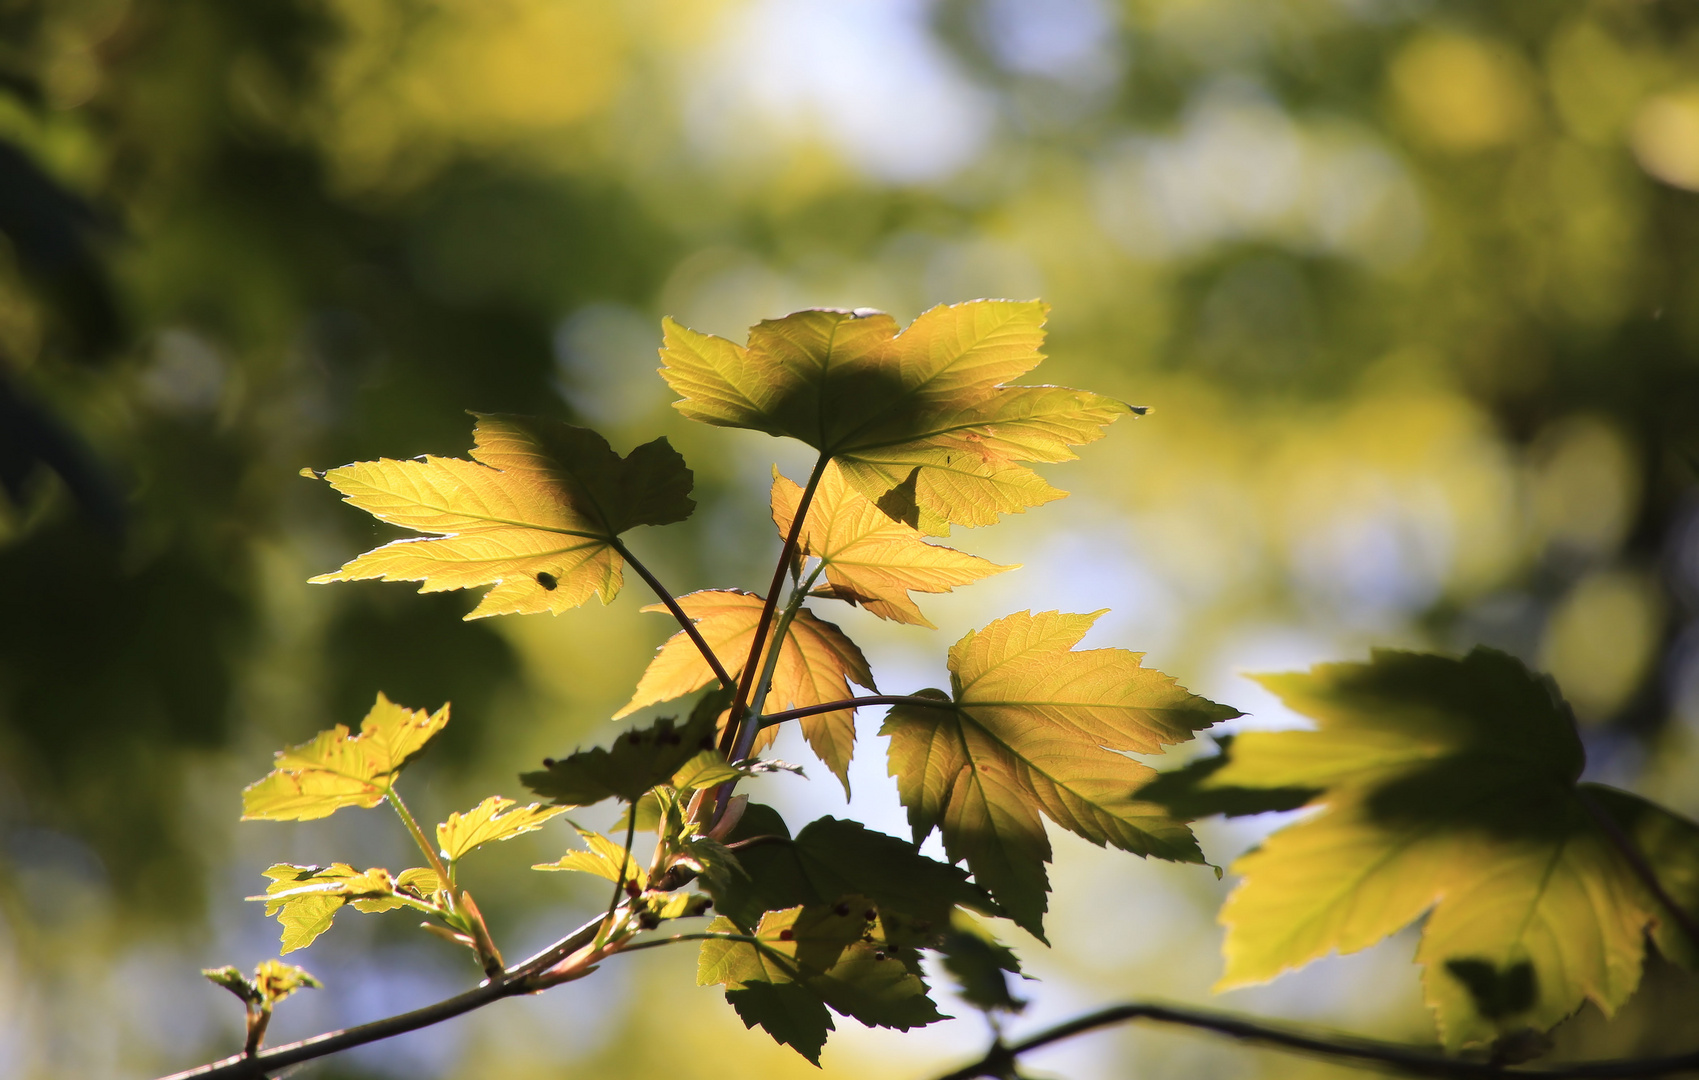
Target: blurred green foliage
[1412,287]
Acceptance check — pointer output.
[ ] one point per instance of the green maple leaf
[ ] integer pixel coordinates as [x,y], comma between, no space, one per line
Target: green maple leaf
[489,821]
[1450,788]
[836,954]
[1034,728]
[792,1014]
[832,858]
[816,665]
[872,559]
[535,513]
[637,761]
[305,899]
[924,411]
[334,769]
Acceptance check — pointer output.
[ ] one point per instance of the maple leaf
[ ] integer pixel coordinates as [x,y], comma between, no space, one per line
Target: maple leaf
[831,859]
[1450,788]
[637,761]
[925,407]
[816,665]
[837,955]
[334,769]
[602,857]
[536,513]
[1033,728]
[872,559]
[487,822]
[306,898]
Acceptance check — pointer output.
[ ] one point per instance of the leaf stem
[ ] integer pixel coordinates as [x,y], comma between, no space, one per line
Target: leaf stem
[459,909]
[764,684]
[999,1060]
[417,834]
[684,621]
[619,883]
[855,703]
[740,702]
[655,943]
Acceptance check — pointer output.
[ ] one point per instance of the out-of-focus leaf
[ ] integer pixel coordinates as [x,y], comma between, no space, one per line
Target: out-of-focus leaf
[828,953]
[1034,728]
[335,769]
[816,665]
[1450,788]
[1188,792]
[923,411]
[534,513]
[277,980]
[871,559]
[831,859]
[636,762]
[980,965]
[486,822]
[793,1015]
[605,858]
[306,898]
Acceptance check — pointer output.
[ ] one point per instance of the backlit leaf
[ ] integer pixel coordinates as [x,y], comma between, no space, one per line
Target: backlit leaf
[707,769]
[792,1014]
[980,965]
[636,762]
[231,978]
[605,858]
[925,407]
[487,822]
[1036,728]
[534,513]
[837,954]
[871,559]
[335,769]
[1450,789]
[306,898]
[816,665]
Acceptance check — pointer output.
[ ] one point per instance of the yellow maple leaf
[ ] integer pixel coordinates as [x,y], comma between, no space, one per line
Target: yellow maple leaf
[921,414]
[871,559]
[536,513]
[335,769]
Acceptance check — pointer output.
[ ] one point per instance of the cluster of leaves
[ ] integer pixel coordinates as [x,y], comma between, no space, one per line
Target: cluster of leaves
[1446,784]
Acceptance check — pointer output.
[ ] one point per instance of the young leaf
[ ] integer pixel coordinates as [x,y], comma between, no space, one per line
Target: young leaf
[276,980]
[831,859]
[707,769]
[1450,788]
[231,978]
[306,898]
[827,953]
[486,822]
[871,559]
[605,858]
[637,761]
[1034,728]
[816,665]
[925,407]
[534,513]
[790,1013]
[334,770]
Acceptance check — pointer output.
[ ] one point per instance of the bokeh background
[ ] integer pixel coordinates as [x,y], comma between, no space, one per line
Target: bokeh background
[1411,286]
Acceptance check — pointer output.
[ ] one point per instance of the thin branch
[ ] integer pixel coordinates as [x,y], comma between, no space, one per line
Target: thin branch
[619,882]
[1637,861]
[684,621]
[655,943]
[1394,1057]
[764,682]
[521,978]
[855,703]
[741,701]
